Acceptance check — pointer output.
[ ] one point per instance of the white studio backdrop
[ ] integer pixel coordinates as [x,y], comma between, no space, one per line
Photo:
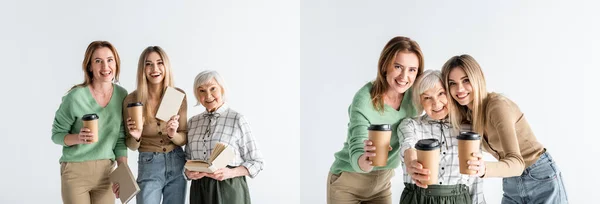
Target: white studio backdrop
[538,53]
[253,44]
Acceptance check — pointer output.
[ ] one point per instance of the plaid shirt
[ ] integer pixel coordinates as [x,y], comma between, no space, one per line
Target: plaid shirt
[227,126]
[412,130]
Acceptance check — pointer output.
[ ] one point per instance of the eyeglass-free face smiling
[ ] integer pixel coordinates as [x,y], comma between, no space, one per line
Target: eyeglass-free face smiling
[435,102]
[210,95]
[460,87]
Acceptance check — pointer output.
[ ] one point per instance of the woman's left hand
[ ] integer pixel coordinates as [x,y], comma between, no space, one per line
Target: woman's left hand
[172,126]
[477,165]
[115,189]
[222,174]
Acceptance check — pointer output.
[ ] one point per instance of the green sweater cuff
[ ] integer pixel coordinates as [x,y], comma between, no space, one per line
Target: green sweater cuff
[59,139]
[120,153]
[354,161]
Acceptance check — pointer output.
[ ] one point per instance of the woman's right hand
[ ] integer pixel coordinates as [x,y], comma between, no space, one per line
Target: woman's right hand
[364,161]
[418,173]
[85,136]
[194,175]
[133,130]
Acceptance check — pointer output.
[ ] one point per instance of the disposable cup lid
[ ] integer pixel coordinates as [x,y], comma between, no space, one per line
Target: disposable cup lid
[380,127]
[427,144]
[468,136]
[92,116]
[135,104]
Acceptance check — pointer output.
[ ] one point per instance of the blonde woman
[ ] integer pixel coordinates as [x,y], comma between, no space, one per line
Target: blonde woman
[161,158]
[220,124]
[429,96]
[387,100]
[85,164]
[529,173]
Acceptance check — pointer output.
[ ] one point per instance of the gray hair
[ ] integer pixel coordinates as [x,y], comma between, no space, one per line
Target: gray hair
[205,76]
[427,80]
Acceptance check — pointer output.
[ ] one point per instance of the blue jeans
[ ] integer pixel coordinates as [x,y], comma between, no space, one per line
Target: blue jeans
[540,183]
[161,174]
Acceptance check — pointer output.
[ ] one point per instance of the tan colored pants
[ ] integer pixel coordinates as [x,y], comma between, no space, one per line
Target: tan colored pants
[86,182]
[352,188]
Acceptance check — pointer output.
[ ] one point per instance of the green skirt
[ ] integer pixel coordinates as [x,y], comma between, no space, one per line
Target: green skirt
[209,191]
[447,194]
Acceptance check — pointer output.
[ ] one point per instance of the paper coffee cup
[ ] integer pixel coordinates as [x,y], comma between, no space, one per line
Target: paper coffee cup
[468,143]
[428,154]
[380,135]
[135,111]
[90,121]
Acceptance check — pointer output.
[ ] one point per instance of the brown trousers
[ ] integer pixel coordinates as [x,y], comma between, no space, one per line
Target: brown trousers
[353,188]
[86,182]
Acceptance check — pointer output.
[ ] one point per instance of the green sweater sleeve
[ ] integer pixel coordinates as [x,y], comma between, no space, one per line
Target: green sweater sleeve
[63,120]
[120,149]
[358,132]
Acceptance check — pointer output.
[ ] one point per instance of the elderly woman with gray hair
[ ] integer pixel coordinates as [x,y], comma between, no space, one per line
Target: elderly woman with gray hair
[430,96]
[220,124]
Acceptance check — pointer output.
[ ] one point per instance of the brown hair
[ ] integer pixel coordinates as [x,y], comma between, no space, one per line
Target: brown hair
[388,54]
[142,82]
[87,62]
[460,114]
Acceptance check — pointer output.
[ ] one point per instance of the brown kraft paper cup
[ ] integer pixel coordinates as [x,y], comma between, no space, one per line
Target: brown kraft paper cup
[135,111]
[380,135]
[468,143]
[428,154]
[90,121]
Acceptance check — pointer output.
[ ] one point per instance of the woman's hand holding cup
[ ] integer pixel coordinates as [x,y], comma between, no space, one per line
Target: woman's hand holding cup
[85,136]
[134,131]
[418,173]
[477,164]
[365,161]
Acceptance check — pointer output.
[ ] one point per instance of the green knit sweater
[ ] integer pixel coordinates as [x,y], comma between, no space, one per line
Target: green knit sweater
[362,114]
[111,131]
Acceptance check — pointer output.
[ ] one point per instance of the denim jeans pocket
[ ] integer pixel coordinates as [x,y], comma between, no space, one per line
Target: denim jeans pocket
[544,172]
[179,152]
[146,157]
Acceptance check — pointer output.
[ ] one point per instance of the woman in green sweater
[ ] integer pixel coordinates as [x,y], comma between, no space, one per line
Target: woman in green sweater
[88,159]
[387,100]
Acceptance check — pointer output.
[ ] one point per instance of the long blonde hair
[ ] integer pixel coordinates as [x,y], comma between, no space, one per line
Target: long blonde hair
[388,54]
[142,82]
[460,114]
[87,62]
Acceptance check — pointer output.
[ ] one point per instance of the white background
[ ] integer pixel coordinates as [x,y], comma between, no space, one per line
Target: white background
[253,44]
[541,54]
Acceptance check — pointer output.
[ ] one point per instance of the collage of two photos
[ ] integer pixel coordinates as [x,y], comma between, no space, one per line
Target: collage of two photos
[332,102]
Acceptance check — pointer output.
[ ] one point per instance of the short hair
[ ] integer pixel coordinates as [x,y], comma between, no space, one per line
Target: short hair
[426,81]
[206,76]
